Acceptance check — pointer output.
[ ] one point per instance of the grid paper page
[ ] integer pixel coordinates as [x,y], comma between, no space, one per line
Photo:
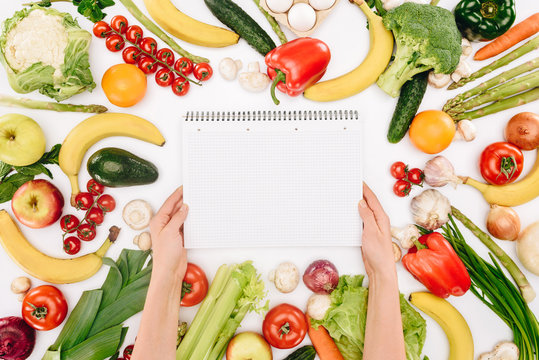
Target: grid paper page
[265,184]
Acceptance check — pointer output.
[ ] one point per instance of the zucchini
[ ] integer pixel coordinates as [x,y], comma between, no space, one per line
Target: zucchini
[304,353]
[412,93]
[233,16]
[115,167]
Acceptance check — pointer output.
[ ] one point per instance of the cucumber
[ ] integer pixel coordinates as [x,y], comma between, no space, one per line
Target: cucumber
[238,20]
[115,167]
[412,93]
[304,353]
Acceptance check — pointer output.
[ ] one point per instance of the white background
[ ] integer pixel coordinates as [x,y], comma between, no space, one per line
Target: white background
[345,32]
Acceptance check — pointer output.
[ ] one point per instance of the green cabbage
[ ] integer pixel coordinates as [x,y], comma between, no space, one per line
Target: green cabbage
[73,76]
[347,317]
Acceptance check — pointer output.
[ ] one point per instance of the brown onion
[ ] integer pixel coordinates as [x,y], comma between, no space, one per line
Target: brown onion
[523,131]
[503,223]
[321,277]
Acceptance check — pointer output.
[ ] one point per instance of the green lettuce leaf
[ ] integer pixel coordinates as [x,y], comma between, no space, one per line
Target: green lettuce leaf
[414,328]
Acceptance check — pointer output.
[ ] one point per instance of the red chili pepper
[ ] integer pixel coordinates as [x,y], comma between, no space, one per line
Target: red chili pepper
[296,65]
[436,265]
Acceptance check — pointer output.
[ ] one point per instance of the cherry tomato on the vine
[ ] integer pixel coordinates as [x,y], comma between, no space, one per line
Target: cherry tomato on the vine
[194,286]
[148,45]
[115,43]
[399,170]
[402,188]
[164,77]
[95,216]
[184,65]
[94,187]
[203,71]
[101,29]
[84,201]
[501,163]
[44,307]
[284,326]
[106,203]
[134,34]
[415,176]
[69,223]
[71,245]
[147,65]
[86,232]
[128,352]
[119,23]
[165,55]
[131,55]
[180,86]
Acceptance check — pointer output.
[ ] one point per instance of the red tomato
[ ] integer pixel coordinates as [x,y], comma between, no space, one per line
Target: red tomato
[402,188]
[203,71]
[69,223]
[95,216]
[106,203]
[147,65]
[101,29]
[94,187]
[131,55]
[165,55]
[180,86]
[285,326]
[415,176]
[119,23]
[86,232]
[115,42]
[501,163]
[194,286]
[128,352]
[148,45]
[84,201]
[184,65]
[399,170]
[134,34]
[44,307]
[164,77]
[71,245]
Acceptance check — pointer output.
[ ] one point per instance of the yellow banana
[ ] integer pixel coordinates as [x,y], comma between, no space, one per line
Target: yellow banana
[44,267]
[184,27]
[513,194]
[450,319]
[98,127]
[357,80]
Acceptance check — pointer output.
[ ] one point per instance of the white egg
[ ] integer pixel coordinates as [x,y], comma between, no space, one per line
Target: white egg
[321,4]
[279,6]
[301,17]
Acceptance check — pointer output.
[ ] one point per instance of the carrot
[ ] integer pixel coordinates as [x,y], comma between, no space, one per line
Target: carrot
[323,343]
[516,34]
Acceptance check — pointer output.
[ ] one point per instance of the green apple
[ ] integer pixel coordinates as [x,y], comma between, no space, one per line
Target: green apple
[248,346]
[22,141]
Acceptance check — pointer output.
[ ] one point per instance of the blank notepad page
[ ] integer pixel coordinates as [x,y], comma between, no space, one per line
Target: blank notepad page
[255,180]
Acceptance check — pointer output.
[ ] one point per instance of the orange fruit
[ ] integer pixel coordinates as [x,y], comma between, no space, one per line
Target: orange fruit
[124,84]
[432,131]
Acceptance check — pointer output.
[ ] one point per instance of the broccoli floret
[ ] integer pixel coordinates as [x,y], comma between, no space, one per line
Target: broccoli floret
[427,38]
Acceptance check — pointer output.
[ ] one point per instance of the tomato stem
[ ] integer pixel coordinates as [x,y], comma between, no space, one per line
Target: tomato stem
[39,312]
[284,330]
[508,167]
[186,289]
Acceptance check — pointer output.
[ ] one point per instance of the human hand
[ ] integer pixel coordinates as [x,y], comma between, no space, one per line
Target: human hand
[376,248]
[166,228]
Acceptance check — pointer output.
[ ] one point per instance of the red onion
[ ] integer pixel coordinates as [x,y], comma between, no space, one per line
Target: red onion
[17,338]
[321,277]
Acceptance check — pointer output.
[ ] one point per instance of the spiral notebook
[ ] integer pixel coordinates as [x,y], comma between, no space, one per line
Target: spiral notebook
[272,179]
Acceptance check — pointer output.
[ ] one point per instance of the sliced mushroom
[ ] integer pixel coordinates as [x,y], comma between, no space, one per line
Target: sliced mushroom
[504,350]
[137,214]
[438,80]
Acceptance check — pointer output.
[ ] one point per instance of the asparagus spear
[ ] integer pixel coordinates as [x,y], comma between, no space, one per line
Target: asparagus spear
[156,30]
[513,55]
[274,25]
[497,80]
[507,103]
[513,86]
[6,100]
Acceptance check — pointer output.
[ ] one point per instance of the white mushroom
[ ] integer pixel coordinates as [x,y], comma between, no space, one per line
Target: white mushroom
[228,68]
[143,241]
[504,350]
[137,214]
[318,305]
[466,130]
[21,285]
[438,80]
[285,277]
[466,47]
[463,70]
[253,80]
[397,252]
[406,235]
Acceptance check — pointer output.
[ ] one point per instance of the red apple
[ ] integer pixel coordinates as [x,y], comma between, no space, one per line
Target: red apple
[37,204]
[248,346]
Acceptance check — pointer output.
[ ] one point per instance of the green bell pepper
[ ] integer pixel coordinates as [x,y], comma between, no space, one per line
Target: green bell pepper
[484,19]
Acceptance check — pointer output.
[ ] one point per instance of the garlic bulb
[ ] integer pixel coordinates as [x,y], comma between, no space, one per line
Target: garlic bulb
[503,223]
[430,209]
[439,172]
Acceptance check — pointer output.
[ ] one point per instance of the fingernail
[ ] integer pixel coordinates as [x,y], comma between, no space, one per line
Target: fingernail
[184,208]
[362,203]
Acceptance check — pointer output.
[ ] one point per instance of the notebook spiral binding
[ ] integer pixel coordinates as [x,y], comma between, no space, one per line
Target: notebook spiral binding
[271,115]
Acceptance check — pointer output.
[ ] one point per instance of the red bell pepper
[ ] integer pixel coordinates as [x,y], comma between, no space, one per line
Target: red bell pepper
[436,265]
[296,65]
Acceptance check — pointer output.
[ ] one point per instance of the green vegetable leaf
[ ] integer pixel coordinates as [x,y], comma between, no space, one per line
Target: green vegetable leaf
[4,169]
[92,9]
[51,157]
[11,184]
[34,169]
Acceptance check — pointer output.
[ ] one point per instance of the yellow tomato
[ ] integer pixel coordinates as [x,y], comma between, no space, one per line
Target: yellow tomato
[124,84]
[432,131]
